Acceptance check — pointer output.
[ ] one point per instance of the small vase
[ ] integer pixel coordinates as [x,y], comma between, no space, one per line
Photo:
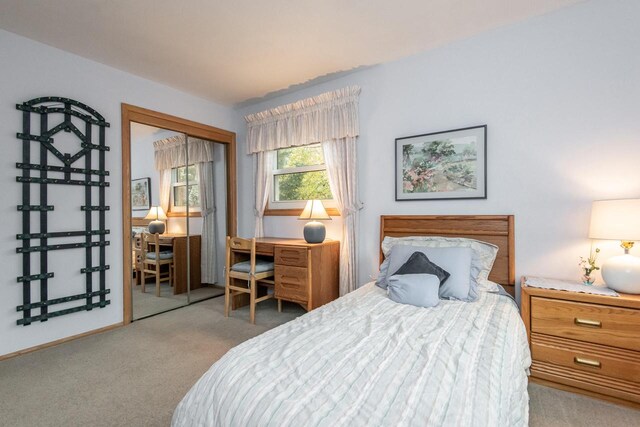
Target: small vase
[588,280]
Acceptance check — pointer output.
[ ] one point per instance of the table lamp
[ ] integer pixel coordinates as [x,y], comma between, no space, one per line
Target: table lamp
[158,216]
[314,231]
[618,220]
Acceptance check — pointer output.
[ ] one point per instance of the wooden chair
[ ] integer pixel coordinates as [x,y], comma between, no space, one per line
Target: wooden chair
[155,259]
[252,271]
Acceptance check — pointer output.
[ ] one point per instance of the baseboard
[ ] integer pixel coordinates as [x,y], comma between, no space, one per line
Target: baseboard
[60,341]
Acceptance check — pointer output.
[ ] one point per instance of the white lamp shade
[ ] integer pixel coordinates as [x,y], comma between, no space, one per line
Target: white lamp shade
[156,213]
[615,220]
[314,210]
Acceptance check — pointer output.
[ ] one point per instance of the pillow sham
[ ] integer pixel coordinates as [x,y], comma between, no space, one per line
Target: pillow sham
[420,290]
[419,263]
[456,261]
[484,254]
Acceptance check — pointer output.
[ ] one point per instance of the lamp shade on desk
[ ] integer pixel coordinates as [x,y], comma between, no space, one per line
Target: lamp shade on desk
[157,215]
[314,231]
[618,220]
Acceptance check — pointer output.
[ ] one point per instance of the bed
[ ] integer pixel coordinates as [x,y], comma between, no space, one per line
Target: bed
[366,360]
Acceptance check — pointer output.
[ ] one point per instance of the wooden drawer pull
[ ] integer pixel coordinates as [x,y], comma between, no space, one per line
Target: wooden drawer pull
[587,322]
[587,362]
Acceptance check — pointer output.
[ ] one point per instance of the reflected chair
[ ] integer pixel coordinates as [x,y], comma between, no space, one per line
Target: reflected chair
[156,259]
[254,271]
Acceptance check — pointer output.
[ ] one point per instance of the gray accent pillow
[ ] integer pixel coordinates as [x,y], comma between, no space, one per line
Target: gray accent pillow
[420,290]
[455,260]
[245,266]
[419,263]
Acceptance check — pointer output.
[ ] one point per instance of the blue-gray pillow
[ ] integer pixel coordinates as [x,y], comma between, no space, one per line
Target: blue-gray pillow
[419,263]
[456,261]
[420,290]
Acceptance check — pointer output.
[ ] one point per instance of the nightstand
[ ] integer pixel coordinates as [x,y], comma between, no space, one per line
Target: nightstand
[584,343]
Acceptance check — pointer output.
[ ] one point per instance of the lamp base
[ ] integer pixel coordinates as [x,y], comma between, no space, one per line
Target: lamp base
[156,227]
[314,232]
[622,273]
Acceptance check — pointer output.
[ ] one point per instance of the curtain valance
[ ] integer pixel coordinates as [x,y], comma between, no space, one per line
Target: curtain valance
[329,116]
[172,152]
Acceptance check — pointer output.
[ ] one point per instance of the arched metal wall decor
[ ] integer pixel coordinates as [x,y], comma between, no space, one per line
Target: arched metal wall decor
[66,108]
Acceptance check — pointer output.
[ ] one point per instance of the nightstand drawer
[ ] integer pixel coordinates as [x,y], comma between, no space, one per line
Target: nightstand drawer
[594,323]
[291,283]
[296,257]
[594,358]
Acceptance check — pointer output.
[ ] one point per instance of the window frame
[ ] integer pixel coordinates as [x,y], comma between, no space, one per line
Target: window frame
[181,211]
[293,207]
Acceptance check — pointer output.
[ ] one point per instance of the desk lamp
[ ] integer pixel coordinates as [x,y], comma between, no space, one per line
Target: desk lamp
[618,220]
[314,231]
[158,216]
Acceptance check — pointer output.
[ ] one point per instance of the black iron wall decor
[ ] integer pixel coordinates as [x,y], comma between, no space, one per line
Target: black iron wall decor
[94,237]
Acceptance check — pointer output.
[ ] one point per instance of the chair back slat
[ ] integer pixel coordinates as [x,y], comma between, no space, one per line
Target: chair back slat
[240,243]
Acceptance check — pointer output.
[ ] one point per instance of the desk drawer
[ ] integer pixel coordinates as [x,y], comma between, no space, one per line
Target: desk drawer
[291,283]
[602,324]
[291,255]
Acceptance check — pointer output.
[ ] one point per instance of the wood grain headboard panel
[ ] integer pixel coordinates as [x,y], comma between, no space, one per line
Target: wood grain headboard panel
[496,229]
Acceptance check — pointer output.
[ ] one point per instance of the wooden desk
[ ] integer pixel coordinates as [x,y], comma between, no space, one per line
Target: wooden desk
[306,273]
[178,244]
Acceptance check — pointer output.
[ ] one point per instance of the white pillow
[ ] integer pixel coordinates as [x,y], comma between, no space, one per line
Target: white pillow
[484,255]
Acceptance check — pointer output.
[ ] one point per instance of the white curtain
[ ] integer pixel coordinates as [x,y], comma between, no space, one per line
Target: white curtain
[165,188]
[263,184]
[340,159]
[172,152]
[209,265]
[332,119]
[329,116]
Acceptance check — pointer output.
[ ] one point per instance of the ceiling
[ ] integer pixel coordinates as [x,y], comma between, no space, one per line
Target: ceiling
[237,50]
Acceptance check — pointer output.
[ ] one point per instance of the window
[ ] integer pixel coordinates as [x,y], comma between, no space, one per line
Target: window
[180,194]
[299,174]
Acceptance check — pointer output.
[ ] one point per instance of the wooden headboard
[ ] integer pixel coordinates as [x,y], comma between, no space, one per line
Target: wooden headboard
[496,229]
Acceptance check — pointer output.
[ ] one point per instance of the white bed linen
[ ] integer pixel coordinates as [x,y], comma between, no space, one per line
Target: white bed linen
[364,360]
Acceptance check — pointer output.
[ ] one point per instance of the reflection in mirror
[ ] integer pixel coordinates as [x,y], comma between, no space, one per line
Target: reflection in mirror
[205,198]
[178,216]
[158,258]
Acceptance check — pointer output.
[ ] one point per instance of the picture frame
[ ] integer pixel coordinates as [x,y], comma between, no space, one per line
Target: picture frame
[141,194]
[446,165]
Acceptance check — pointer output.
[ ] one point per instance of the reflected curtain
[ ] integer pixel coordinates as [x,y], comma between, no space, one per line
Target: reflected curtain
[208,209]
[174,152]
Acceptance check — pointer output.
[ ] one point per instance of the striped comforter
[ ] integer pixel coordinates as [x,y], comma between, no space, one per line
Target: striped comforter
[364,360]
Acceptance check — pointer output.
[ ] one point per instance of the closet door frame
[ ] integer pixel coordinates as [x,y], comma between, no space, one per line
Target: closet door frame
[131,113]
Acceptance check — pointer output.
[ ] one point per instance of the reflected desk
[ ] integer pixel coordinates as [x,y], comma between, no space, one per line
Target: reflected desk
[305,273]
[177,243]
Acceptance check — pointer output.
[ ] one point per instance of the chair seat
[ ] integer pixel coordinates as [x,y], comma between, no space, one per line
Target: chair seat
[245,266]
[162,255]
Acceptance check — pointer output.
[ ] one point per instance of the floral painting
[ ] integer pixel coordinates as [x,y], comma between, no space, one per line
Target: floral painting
[141,194]
[442,165]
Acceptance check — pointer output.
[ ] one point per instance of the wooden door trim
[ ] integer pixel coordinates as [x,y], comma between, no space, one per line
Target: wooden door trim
[131,113]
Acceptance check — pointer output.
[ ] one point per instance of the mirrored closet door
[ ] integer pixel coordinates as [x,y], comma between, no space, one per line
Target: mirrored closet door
[178,219]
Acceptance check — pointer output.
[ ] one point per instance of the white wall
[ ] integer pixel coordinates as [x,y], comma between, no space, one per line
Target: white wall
[27,70]
[560,95]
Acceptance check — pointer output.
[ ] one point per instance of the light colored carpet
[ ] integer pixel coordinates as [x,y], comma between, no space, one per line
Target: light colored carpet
[136,375]
[147,303]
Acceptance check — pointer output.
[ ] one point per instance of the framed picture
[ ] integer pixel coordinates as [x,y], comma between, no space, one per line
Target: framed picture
[141,194]
[442,165]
